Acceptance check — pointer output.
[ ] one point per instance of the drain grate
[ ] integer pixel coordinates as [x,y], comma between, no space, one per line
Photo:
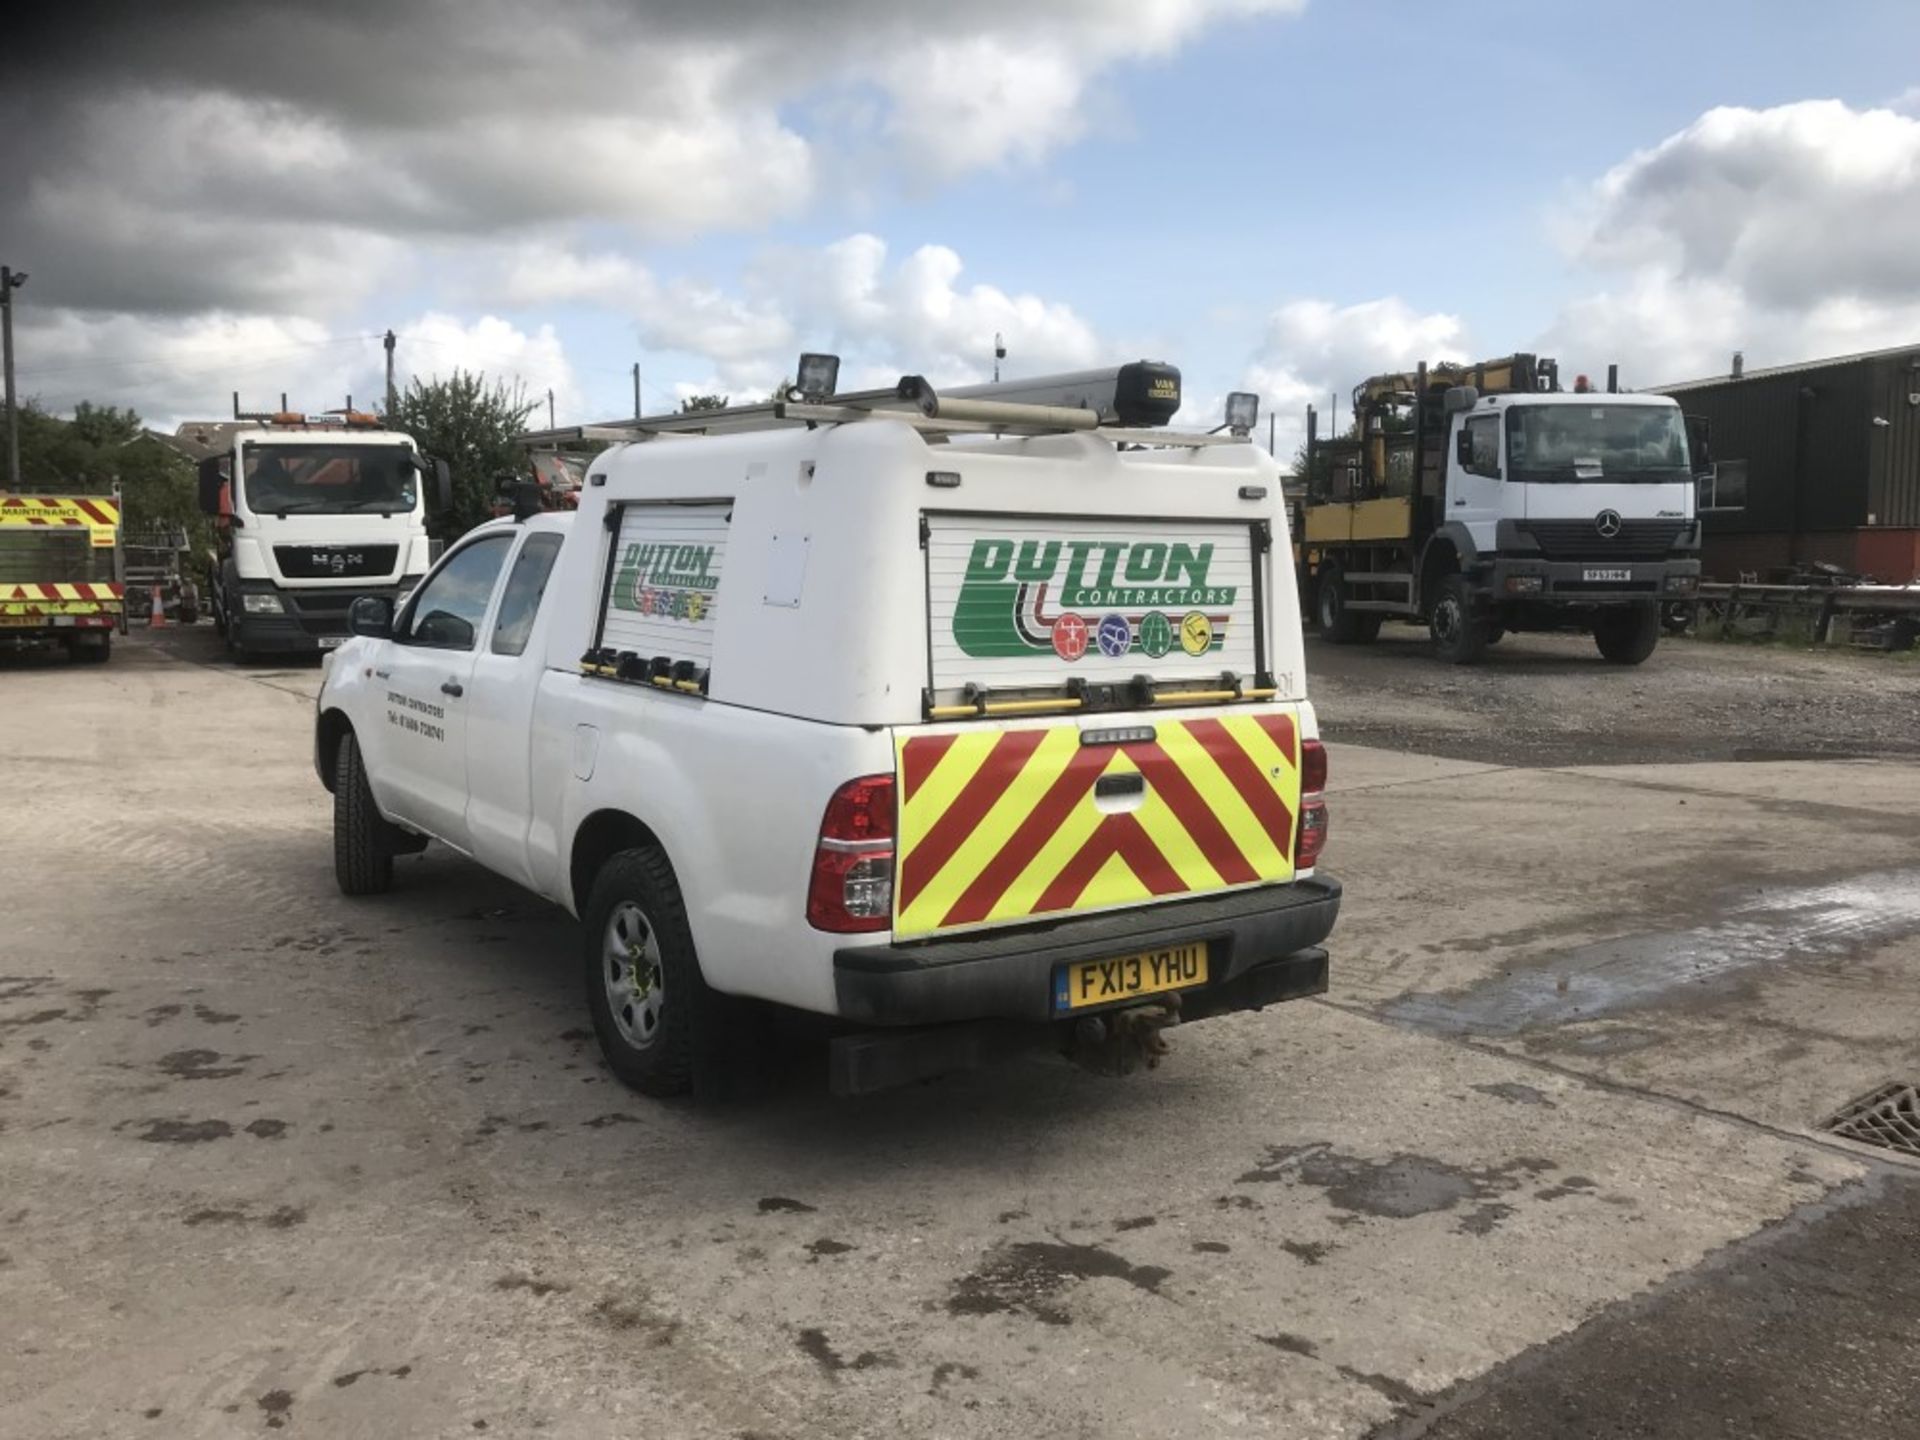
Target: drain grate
[1888,1117]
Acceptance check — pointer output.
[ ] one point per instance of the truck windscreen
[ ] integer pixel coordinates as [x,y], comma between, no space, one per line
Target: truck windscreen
[1617,443]
[331,479]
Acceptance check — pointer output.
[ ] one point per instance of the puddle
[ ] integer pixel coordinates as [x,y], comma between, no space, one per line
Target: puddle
[1818,922]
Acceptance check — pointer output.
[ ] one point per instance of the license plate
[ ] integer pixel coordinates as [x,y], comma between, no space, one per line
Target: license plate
[331,642]
[1606,575]
[22,622]
[1086,983]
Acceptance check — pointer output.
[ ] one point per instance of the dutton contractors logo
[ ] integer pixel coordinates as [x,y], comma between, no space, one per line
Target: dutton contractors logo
[1067,597]
[674,582]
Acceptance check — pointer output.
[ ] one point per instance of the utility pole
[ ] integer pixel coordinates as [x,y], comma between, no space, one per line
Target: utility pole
[387,340]
[636,389]
[551,424]
[10,280]
[999,354]
[1271,417]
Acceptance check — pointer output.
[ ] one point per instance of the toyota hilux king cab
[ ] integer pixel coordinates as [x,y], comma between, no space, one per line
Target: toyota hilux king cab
[964,721]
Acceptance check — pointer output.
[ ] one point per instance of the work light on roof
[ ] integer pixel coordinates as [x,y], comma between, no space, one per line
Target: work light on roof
[817,377]
[1243,411]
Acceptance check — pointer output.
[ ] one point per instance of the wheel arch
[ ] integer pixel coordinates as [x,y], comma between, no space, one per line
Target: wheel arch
[601,836]
[329,730]
[1448,550]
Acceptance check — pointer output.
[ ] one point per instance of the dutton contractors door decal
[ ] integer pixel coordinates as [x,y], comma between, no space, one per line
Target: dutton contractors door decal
[665,593]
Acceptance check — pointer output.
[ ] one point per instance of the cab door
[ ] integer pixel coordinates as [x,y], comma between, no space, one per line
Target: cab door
[1476,494]
[499,713]
[419,740]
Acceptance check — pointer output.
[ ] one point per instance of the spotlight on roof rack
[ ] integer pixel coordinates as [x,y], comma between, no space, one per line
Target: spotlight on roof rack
[817,377]
[1243,412]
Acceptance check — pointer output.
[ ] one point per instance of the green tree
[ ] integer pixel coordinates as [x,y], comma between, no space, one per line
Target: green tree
[103,446]
[702,402]
[473,426]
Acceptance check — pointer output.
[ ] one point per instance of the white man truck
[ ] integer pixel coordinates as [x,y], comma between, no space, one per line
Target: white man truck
[311,513]
[966,723]
[1483,499]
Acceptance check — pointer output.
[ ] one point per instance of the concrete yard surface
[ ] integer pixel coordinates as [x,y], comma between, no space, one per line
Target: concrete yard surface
[1546,1160]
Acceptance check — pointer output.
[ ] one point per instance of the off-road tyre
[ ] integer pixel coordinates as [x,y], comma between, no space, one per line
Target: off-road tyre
[91,654]
[657,1059]
[1338,624]
[362,857]
[1627,636]
[1459,636]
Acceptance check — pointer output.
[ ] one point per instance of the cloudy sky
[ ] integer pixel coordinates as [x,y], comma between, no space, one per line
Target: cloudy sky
[1285,195]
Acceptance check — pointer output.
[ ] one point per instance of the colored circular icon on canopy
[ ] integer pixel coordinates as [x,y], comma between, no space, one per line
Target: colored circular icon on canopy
[1069,636]
[1196,633]
[1156,634]
[1115,636]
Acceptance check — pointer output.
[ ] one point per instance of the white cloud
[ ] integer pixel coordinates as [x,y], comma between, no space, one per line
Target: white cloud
[435,345]
[1788,233]
[1315,350]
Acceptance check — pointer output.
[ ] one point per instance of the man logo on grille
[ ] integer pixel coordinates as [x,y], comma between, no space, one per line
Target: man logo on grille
[1607,522]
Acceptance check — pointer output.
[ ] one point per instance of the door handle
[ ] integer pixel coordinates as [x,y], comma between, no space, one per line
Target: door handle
[453,688]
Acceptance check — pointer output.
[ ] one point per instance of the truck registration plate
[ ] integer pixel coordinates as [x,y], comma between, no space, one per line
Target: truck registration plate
[1086,983]
[1606,574]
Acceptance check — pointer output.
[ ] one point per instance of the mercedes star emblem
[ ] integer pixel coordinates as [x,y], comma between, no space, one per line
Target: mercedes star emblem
[1607,522]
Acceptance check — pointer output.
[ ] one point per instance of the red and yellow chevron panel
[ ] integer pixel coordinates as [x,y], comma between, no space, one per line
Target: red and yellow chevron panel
[79,590]
[55,510]
[1005,825]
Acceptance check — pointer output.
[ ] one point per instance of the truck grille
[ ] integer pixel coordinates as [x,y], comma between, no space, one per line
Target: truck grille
[328,562]
[1582,540]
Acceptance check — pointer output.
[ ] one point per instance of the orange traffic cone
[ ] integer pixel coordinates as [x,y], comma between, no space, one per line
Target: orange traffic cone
[158,619]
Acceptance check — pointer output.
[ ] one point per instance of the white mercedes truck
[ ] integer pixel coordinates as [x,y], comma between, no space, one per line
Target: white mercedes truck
[1482,499]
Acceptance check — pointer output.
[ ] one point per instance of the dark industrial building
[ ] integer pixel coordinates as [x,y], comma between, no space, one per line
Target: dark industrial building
[1812,462]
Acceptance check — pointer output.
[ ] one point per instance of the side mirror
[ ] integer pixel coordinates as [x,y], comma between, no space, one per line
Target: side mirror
[210,482]
[1463,448]
[442,486]
[371,615]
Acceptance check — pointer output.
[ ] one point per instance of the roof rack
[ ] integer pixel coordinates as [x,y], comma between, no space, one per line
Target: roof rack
[1124,404]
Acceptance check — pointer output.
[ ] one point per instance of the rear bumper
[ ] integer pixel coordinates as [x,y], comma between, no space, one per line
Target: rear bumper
[1261,946]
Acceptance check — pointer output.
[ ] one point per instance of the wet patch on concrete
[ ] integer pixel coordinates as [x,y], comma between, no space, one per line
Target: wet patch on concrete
[1484,1219]
[209,1016]
[1772,926]
[1397,1188]
[828,1247]
[627,1318]
[814,1344]
[185,1132]
[781,1205]
[534,1287]
[1138,1222]
[1292,1344]
[1572,1185]
[1516,1094]
[276,1405]
[1028,1277]
[282,1217]
[948,1370]
[1308,1252]
[1405,1398]
[266,1129]
[200,1065]
[160,1014]
[1211,1247]
[612,1117]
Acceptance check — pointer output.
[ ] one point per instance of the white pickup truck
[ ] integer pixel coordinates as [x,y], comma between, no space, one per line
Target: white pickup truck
[956,722]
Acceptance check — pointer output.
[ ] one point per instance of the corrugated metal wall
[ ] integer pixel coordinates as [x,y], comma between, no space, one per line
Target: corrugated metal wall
[1893,496]
[1812,451]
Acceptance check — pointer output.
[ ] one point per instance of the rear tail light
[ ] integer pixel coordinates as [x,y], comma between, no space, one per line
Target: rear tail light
[852,885]
[1312,838]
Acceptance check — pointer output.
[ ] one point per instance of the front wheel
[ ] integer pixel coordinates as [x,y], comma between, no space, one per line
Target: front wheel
[642,977]
[1626,636]
[362,861]
[1459,636]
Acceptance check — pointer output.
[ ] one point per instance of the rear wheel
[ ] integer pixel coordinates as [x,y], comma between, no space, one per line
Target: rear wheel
[1626,636]
[1459,636]
[362,859]
[642,976]
[1338,624]
[91,650]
